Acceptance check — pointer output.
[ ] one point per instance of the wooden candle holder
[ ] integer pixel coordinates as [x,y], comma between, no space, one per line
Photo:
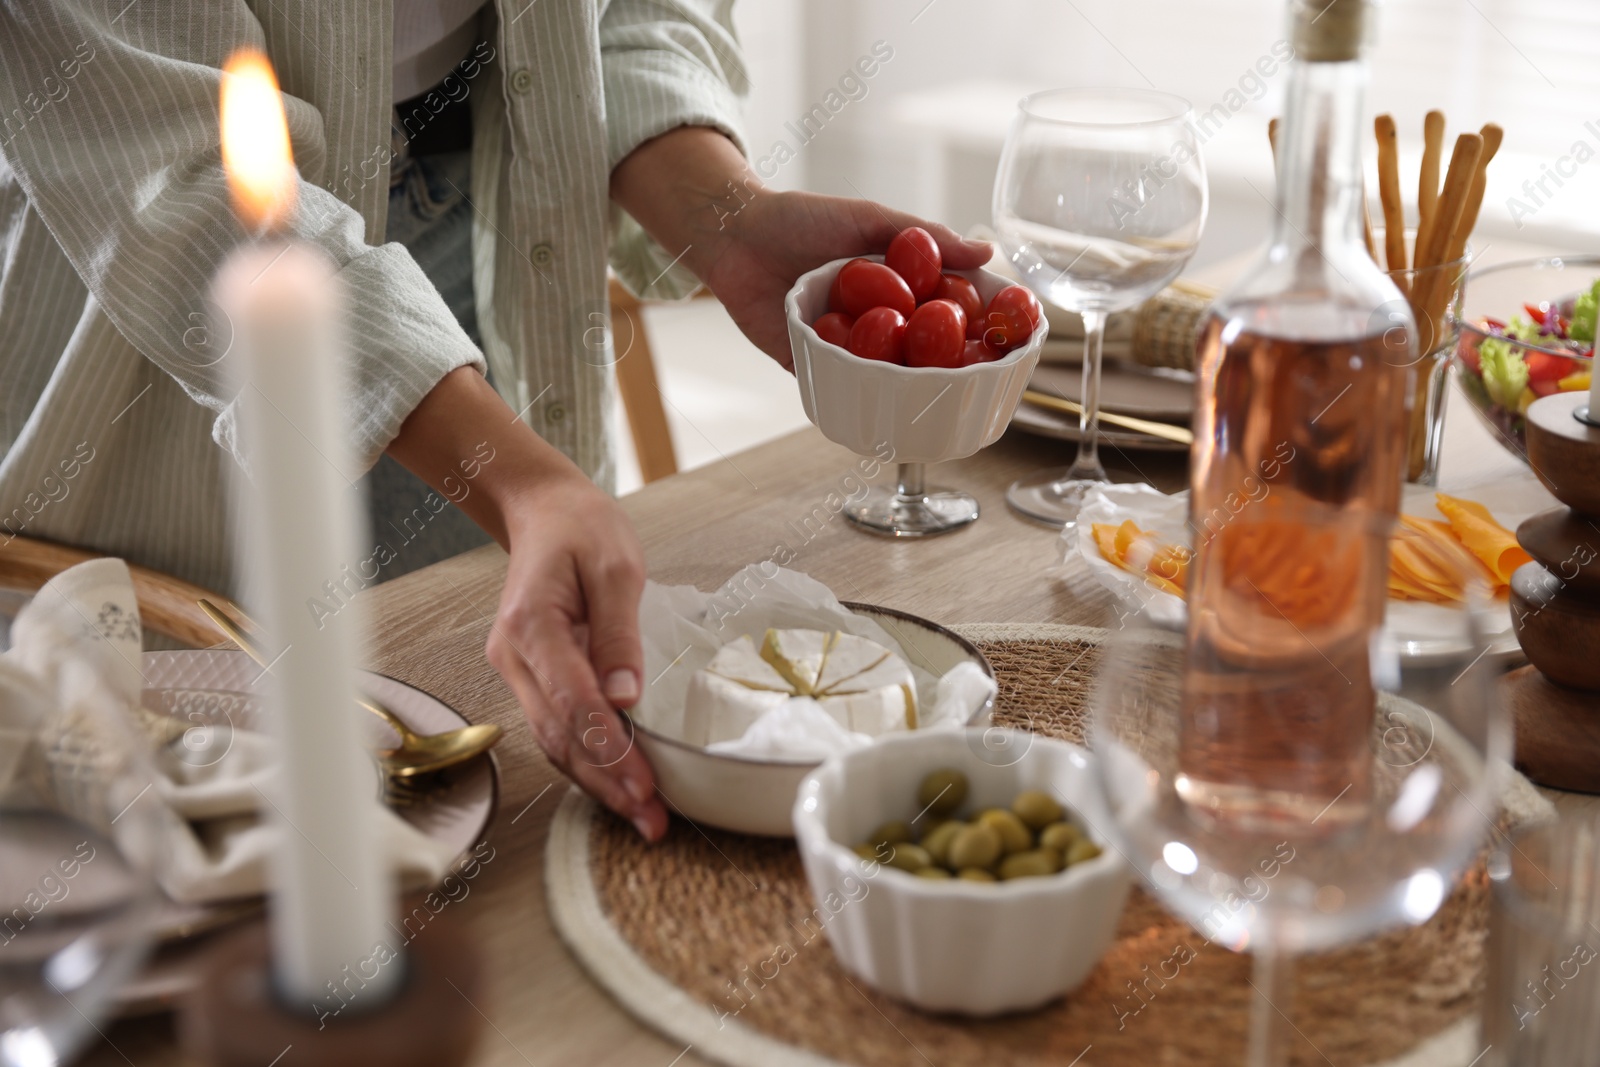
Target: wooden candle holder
[236,1019]
[1555,604]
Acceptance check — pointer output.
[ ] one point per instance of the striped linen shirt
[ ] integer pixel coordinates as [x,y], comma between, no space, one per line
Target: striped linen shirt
[114,217]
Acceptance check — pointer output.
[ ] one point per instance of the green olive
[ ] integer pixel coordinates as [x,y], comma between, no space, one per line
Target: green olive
[975,845]
[891,833]
[866,851]
[1059,836]
[1036,808]
[938,840]
[909,857]
[974,874]
[942,792]
[1035,863]
[1082,849]
[933,872]
[1013,835]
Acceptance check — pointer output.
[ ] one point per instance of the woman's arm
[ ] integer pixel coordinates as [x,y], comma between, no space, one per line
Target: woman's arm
[566,635]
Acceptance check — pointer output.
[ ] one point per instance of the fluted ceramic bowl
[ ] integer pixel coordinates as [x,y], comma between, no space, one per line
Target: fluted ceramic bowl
[978,948]
[925,414]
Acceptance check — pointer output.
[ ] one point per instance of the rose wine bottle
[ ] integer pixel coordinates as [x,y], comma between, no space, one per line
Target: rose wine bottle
[1304,382]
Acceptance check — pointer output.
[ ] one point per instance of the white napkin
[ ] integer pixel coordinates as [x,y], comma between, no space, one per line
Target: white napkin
[75,662]
[681,628]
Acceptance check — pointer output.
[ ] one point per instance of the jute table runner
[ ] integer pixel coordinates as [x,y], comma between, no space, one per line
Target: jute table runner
[701,938]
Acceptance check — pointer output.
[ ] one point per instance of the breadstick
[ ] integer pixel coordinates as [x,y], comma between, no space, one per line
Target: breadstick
[1394,215]
[1492,135]
[1429,290]
[1428,179]
[1366,222]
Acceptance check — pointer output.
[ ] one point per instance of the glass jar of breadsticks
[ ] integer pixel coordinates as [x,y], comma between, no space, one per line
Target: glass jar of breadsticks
[1428,263]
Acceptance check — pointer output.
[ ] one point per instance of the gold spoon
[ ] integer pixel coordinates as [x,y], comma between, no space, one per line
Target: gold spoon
[418,753]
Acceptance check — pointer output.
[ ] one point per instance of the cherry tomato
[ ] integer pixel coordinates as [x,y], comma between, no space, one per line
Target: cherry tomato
[936,334]
[955,287]
[914,255]
[835,301]
[1547,387]
[975,351]
[879,334]
[834,328]
[1013,315]
[864,285]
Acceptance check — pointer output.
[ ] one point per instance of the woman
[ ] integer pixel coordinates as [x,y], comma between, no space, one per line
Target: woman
[555,129]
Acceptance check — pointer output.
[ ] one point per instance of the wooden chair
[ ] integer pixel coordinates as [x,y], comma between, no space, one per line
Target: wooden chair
[640,389]
[166,604]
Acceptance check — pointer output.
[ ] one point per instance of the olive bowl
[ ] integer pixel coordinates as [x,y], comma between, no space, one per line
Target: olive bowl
[975,948]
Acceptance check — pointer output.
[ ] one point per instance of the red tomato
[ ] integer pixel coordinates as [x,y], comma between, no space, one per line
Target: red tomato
[835,302]
[1013,315]
[914,255]
[975,351]
[879,334]
[864,285]
[1547,387]
[834,328]
[955,287]
[1468,350]
[1543,367]
[936,335]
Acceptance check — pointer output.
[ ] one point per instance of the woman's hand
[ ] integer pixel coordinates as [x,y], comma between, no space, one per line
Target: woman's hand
[778,236]
[566,640]
[691,190]
[566,635]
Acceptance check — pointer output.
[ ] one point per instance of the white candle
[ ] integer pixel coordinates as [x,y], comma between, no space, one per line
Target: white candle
[298,525]
[1594,387]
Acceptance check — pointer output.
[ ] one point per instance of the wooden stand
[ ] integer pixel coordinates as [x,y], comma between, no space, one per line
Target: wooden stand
[1555,604]
[235,1019]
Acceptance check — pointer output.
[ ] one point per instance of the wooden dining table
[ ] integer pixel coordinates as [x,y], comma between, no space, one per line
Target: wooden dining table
[538,1006]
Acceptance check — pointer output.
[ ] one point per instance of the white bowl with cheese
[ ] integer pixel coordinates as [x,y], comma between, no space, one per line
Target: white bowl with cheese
[978,948]
[756,795]
[925,414]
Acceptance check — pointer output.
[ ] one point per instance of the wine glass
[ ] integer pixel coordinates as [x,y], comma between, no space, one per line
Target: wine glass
[79,840]
[1295,780]
[1098,203]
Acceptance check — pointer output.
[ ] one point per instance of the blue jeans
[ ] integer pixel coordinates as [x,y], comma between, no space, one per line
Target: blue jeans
[430,215]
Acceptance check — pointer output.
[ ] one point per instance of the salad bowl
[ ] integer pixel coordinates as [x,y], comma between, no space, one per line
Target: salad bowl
[1528,331]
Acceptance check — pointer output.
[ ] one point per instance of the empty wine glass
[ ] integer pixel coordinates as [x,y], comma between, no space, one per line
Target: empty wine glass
[79,838]
[1098,203]
[1300,784]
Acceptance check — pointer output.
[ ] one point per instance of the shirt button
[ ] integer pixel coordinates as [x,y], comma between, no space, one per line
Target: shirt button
[543,255]
[522,80]
[555,411]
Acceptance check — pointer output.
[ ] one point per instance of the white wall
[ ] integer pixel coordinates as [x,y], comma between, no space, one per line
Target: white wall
[926,134]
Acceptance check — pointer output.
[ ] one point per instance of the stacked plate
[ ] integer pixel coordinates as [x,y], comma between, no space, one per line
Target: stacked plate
[1155,395]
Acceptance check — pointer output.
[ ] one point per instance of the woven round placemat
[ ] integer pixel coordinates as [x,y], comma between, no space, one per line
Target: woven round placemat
[699,936]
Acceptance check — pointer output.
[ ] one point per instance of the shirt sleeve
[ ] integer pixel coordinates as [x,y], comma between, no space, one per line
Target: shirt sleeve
[109,121]
[667,63]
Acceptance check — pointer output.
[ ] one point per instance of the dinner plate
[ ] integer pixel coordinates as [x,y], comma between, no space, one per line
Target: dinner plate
[1047,423]
[456,813]
[1165,396]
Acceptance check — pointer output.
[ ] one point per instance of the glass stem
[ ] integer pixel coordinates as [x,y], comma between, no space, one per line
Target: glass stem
[908,481]
[1087,466]
[1272,976]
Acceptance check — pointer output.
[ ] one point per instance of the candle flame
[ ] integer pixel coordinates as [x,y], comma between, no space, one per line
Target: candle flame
[255,141]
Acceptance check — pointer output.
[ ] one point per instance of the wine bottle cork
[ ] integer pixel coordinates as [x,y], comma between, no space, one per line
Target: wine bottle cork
[1328,31]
